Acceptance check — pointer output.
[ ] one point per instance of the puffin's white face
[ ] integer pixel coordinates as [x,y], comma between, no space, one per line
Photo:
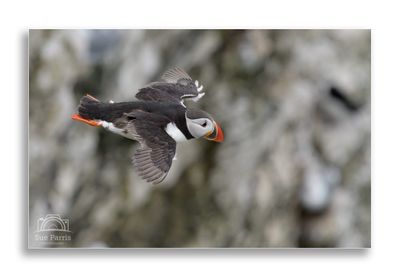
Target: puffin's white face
[200,127]
[200,124]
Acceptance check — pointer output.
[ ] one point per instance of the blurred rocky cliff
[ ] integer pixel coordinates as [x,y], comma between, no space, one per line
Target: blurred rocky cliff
[294,170]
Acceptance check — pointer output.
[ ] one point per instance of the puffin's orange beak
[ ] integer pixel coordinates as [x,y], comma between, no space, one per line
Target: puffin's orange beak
[217,135]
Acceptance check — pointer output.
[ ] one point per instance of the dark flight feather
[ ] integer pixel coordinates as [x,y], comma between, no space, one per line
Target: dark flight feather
[175,86]
[153,160]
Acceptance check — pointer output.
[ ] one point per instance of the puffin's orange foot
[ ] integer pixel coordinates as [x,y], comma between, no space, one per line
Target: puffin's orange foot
[87,121]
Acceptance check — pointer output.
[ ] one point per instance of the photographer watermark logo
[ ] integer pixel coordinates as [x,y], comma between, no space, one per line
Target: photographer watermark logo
[53,229]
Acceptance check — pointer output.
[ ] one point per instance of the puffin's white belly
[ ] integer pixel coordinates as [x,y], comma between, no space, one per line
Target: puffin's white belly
[110,127]
[174,132]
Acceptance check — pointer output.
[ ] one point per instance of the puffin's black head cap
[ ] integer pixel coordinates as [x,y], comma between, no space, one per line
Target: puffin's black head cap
[192,113]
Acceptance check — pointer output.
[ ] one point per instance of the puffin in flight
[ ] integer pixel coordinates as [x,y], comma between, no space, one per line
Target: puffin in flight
[158,120]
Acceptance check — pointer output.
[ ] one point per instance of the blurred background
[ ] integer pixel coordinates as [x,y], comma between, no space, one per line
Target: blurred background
[294,169]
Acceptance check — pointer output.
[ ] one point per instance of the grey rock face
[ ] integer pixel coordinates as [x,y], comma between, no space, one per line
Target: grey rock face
[293,171]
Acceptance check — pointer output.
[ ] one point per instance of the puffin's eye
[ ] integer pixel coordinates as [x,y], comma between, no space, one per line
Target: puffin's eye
[204,124]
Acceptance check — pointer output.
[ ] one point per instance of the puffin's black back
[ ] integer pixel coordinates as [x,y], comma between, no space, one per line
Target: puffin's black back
[90,108]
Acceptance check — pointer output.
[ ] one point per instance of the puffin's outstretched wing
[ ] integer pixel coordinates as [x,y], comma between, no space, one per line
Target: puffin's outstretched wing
[153,160]
[175,86]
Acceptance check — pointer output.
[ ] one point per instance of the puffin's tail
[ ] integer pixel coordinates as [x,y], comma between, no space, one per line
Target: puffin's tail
[92,111]
[89,107]
[88,110]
